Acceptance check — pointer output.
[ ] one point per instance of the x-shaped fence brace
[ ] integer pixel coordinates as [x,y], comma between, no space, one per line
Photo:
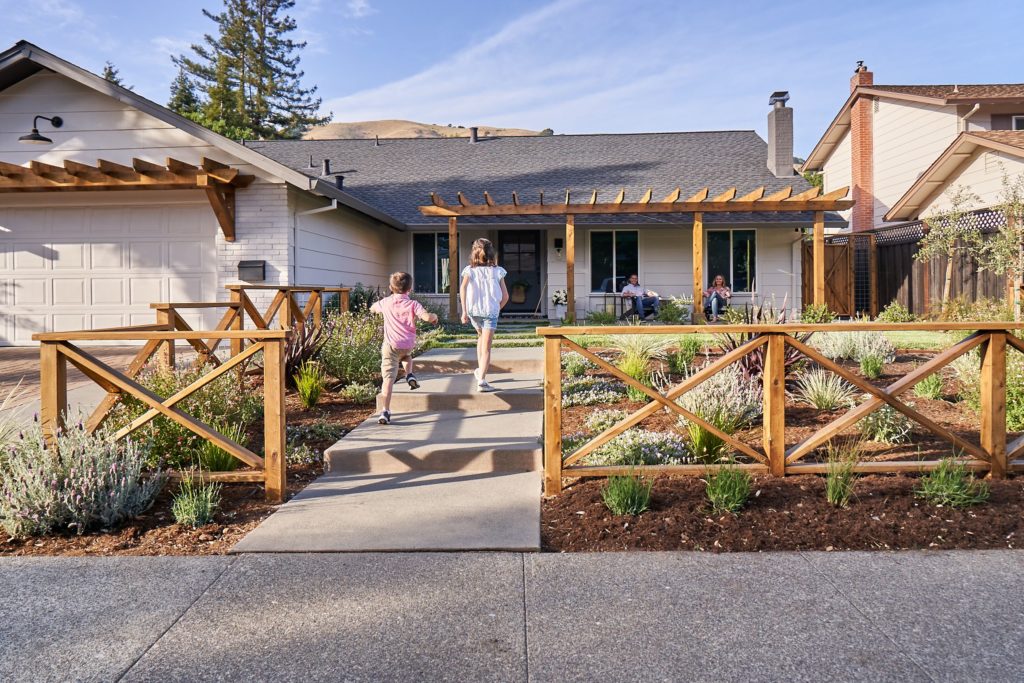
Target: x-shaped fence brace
[994,454]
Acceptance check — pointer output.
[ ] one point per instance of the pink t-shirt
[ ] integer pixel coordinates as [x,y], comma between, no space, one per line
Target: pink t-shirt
[400,314]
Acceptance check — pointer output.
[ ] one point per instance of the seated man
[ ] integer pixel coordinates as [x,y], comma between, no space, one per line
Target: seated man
[646,302]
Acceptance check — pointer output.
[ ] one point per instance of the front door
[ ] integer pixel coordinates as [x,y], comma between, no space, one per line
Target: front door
[519,254]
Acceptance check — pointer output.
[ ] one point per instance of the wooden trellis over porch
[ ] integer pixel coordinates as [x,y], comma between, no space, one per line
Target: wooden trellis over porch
[698,204]
[217,179]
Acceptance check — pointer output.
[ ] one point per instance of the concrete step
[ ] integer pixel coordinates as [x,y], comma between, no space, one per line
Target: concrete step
[415,511]
[458,392]
[518,360]
[447,441]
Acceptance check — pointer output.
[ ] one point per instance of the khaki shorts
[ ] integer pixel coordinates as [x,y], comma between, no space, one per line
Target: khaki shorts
[391,359]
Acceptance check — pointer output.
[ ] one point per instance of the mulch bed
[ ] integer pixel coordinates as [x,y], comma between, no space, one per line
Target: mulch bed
[242,505]
[783,514]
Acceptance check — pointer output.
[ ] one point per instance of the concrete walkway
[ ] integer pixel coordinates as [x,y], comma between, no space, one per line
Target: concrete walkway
[911,616]
[455,470]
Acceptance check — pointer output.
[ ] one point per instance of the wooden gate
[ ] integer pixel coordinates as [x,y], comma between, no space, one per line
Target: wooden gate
[838,276]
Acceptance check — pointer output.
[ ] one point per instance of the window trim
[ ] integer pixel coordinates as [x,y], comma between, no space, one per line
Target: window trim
[437,270]
[1014,119]
[732,265]
[590,254]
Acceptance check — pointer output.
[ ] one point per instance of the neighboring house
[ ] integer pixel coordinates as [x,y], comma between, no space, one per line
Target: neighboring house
[899,147]
[331,212]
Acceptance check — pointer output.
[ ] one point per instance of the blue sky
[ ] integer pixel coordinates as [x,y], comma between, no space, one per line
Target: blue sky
[576,66]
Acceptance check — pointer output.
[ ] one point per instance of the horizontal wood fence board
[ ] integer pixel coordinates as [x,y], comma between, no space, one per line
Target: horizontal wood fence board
[687,470]
[89,335]
[884,467]
[788,328]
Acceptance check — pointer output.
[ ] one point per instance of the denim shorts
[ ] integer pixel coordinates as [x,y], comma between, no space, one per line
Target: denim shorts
[481,322]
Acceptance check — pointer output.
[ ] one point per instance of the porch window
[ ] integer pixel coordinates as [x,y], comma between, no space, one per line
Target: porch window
[614,256]
[1017,122]
[732,253]
[430,262]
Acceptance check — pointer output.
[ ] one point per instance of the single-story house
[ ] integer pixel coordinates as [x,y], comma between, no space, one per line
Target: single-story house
[183,206]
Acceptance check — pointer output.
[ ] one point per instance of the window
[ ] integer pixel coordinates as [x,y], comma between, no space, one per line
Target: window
[733,254]
[613,258]
[1017,122]
[430,262]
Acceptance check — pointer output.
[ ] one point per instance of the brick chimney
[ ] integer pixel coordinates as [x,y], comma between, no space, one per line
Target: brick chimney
[862,153]
[780,135]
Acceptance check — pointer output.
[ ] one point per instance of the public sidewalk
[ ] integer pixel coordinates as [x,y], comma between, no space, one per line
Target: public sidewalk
[911,616]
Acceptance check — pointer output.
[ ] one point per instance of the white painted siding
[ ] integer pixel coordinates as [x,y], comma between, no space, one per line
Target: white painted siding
[95,126]
[984,176]
[838,171]
[908,137]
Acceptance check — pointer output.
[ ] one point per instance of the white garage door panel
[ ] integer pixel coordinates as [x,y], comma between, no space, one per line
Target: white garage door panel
[92,267]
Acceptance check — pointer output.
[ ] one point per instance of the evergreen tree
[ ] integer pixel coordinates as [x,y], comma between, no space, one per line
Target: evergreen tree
[113,74]
[248,73]
[184,99]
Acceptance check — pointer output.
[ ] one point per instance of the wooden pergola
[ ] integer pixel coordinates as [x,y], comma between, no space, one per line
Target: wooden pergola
[699,204]
[218,180]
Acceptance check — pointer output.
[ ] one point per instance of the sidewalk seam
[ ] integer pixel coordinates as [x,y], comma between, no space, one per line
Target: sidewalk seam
[880,627]
[526,621]
[179,618]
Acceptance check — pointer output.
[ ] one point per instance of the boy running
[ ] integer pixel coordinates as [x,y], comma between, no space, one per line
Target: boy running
[400,313]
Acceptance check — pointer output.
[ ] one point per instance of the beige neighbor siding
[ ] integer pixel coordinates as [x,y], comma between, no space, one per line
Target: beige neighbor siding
[984,176]
[908,137]
[837,170]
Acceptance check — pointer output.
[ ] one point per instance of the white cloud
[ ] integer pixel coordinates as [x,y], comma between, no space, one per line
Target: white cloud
[360,8]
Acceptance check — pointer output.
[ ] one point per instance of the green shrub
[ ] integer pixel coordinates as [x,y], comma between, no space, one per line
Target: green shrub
[591,391]
[682,358]
[309,383]
[817,314]
[302,455]
[961,309]
[576,365]
[853,345]
[214,458]
[635,366]
[321,430]
[871,366]
[230,399]
[352,351]
[89,481]
[823,389]
[641,447]
[729,401]
[674,311]
[727,488]
[968,375]
[950,484]
[628,495]
[886,425]
[360,392]
[896,312]
[600,420]
[361,297]
[929,387]
[195,504]
[840,476]
[601,318]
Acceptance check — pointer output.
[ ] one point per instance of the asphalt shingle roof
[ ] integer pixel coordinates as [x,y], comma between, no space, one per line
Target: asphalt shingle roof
[958,92]
[398,175]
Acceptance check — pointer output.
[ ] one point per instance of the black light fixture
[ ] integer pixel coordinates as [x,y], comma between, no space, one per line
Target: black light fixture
[34,138]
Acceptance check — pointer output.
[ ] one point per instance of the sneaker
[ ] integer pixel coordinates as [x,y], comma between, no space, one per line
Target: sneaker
[482,386]
[385,417]
[411,379]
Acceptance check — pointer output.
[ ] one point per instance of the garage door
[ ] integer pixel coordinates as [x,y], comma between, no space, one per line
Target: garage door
[72,268]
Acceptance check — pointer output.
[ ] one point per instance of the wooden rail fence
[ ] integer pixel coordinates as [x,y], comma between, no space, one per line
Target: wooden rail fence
[57,349]
[993,455]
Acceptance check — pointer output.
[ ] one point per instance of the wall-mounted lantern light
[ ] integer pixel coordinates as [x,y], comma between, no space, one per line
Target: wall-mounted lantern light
[34,138]
[559,246]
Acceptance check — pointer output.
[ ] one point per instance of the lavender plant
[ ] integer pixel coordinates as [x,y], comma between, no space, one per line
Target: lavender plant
[729,400]
[589,391]
[641,447]
[351,352]
[88,481]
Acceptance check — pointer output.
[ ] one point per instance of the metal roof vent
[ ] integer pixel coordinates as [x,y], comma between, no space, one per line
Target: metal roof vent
[473,134]
[779,98]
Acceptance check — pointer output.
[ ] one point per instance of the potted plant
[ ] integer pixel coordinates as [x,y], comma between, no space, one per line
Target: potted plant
[559,299]
[517,291]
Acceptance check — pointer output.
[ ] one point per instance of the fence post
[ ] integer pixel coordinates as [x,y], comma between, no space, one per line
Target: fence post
[53,390]
[318,308]
[344,300]
[165,316]
[552,416]
[993,402]
[237,345]
[275,472]
[774,392]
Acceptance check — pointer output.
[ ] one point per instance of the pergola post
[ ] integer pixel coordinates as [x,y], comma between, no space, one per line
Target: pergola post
[698,268]
[819,258]
[570,268]
[453,269]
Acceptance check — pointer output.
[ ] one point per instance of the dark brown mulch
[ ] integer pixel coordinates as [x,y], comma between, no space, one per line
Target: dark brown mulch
[242,505]
[783,514]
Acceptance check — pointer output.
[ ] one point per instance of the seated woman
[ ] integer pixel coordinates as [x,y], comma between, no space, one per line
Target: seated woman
[717,297]
[647,302]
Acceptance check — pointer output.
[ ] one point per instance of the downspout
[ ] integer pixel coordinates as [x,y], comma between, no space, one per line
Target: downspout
[963,119]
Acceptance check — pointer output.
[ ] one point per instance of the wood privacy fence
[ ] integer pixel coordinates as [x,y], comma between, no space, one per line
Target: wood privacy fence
[57,349]
[993,454]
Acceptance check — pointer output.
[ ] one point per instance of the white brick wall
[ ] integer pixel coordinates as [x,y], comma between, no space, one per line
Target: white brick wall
[263,231]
